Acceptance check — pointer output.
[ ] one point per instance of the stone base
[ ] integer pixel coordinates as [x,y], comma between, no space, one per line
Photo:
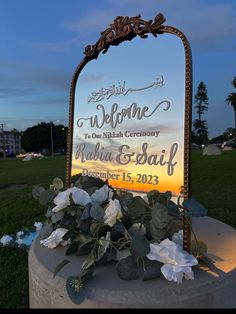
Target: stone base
[213,287]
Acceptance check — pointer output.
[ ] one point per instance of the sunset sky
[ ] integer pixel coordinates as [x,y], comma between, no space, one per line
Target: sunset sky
[42,42]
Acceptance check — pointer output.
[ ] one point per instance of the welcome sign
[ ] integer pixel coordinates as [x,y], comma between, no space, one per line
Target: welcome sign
[130,109]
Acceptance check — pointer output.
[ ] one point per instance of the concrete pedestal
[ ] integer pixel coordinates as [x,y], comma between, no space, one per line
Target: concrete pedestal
[213,287]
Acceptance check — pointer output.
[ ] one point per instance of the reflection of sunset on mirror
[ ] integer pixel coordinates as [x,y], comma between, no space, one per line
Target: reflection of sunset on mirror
[165,182]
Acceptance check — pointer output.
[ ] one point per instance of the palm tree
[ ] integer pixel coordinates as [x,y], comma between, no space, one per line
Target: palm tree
[231,99]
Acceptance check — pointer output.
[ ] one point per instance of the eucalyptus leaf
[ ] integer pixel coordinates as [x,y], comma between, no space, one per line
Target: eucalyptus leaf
[86,212]
[94,228]
[84,248]
[69,220]
[46,230]
[67,235]
[91,190]
[60,266]
[152,270]
[88,182]
[88,262]
[37,190]
[75,180]
[87,274]
[111,255]
[75,289]
[103,246]
[57,216]
[127,268]
[173,209]
[198,248]
[97,212]
[137,208]
[140,245]
[46,196]
[83,238]
[194,208]
[119,227]
[85,227]
[121,254]
[155,196]
[72,209]
[57,184]
[159,222]
[72,248]
[125,198]
[136,228]
[49,212]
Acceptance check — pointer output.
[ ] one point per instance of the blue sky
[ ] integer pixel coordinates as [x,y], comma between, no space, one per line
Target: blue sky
[42,42]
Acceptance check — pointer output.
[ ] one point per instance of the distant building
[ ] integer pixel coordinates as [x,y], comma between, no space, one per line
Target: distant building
[10,142]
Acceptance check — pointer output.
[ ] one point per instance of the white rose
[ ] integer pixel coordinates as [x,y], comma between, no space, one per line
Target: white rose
[113,212]
[81,197]
[38,225]
[62,200]
[6,239]
[101,195]
[19,234]
[177,262]
[55,238]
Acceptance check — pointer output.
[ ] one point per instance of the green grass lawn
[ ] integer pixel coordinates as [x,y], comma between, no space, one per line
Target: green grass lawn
[213,184]
[19,209]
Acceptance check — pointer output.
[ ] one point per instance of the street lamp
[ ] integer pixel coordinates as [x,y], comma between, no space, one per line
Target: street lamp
[51,135]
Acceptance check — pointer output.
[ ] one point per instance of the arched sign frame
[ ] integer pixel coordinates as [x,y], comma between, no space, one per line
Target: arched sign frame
[125,29]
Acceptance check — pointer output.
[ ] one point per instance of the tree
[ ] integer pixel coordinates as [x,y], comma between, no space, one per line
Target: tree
[38,139]
[201,104]
[231,100]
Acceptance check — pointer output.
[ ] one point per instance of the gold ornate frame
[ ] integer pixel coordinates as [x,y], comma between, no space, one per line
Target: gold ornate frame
[126,28]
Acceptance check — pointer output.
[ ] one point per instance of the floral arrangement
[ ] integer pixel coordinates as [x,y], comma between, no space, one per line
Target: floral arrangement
[141,236]
[23,238]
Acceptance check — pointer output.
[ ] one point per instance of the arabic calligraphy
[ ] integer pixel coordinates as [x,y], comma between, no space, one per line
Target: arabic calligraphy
[114,90]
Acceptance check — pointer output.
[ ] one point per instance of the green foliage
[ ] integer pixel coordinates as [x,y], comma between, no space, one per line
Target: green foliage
[97,212]
[46,230]
[60,266]
[57,217]
[72,248]
[201,104]
[57,184]
[231,100]
[140,245]
[38,137]
[36,192]
[137,208]
[46,196]
[198,248]
[127,268]
[75,289]
[151,269]
[159,222]
[123,237]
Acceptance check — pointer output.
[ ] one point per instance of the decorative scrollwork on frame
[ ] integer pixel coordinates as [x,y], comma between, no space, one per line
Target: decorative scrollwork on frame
[124,28]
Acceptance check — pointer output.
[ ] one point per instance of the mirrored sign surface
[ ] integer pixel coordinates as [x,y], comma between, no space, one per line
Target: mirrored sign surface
[129,115]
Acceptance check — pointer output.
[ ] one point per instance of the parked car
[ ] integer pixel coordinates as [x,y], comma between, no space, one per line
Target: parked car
[230,143]
[29,156]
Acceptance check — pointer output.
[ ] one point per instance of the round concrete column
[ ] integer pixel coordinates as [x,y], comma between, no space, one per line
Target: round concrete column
[213,287]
